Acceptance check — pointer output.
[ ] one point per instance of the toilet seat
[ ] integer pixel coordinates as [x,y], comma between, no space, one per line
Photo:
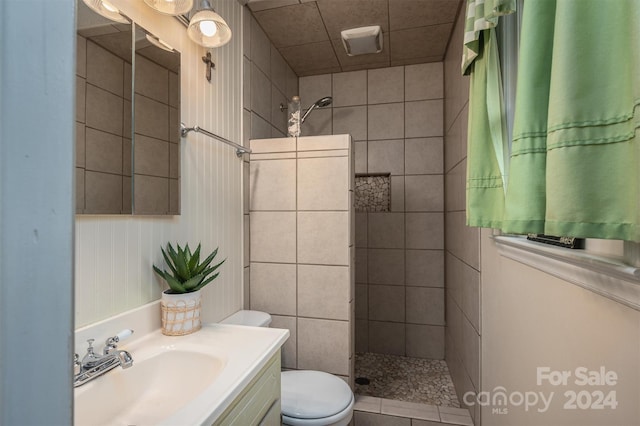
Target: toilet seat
[311,398]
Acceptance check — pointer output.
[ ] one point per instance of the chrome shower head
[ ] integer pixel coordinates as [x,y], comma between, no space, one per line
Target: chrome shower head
[320,103]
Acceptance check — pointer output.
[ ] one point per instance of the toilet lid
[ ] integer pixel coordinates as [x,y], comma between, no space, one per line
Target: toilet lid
[313,394]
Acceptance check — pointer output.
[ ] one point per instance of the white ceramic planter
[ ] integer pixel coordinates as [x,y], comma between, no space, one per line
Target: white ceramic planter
[180,313]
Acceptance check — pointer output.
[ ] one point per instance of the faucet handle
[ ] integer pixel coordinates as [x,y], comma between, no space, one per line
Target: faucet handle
[77,366]
[110,343]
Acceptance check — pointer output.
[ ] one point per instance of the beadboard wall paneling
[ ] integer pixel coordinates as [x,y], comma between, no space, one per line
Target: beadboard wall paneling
[114,254]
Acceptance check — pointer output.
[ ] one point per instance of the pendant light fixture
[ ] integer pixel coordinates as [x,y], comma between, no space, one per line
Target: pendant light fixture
[207,28]
[106,9]
[171,7]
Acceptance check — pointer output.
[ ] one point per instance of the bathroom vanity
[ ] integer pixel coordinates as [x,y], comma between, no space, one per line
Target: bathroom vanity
[220,375]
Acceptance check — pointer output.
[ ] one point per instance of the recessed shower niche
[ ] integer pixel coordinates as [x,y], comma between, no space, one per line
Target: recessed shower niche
[373,192]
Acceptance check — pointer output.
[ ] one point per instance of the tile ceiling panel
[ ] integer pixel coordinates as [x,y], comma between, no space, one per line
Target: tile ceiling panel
[339,15]
[293,25]
[307,32]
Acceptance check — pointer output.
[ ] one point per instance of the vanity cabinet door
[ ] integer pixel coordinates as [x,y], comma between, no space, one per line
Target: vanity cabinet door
[258,401]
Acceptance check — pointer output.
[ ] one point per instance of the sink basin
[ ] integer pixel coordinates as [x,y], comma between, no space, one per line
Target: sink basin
[174,380]
[147,392]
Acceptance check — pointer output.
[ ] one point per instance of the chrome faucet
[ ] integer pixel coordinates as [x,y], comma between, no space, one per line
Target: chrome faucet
[94,365]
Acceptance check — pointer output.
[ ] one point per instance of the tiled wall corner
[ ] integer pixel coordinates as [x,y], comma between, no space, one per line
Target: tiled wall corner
[462,258]
[268,82]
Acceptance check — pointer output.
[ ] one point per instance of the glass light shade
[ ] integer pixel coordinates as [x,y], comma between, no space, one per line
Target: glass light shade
[208,29]
[171,7]
[106,9]
[159,43]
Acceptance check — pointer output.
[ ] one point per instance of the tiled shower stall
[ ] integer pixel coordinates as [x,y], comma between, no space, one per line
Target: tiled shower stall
[395,117]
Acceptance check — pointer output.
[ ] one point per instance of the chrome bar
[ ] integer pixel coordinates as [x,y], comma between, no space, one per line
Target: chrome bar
[184,130]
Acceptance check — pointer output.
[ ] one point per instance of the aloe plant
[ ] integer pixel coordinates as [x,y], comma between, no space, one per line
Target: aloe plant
[187,274]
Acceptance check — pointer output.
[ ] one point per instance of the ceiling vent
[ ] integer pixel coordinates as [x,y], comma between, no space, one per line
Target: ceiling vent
[363,40]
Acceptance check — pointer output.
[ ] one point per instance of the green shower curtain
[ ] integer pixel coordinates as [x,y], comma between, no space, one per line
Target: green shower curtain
[575,156]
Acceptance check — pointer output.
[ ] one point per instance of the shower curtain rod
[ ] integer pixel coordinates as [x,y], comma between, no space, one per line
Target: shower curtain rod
[184,130]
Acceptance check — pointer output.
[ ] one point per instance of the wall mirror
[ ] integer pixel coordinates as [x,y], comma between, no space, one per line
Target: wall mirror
[127,119]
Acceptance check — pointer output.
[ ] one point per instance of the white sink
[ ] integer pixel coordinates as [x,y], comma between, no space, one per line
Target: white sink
[177,379]
[151,390]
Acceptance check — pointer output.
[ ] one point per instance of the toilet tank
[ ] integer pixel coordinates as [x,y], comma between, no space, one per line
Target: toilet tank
[250,318]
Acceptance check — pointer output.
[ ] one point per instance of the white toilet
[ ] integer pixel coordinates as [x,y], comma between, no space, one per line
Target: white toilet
[309,398]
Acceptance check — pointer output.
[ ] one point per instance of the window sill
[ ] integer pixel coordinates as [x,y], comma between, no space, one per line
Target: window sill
[605,276]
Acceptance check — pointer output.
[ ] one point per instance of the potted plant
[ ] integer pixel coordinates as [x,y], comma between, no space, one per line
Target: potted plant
[186,278]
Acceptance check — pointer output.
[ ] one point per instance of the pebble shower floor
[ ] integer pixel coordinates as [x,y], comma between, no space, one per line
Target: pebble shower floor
[426,381]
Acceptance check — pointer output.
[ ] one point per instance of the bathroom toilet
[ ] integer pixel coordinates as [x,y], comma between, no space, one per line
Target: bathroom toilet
[309,398]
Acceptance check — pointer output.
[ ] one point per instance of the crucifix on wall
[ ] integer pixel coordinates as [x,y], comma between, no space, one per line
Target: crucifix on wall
[210,64]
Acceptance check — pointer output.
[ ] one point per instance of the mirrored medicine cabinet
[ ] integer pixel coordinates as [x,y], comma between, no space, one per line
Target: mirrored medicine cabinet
[127,119]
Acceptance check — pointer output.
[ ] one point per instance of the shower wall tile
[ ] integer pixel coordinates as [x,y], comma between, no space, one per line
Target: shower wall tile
[323,345]
[424,81]
[246,247]
[385,121]
[319,122]
[425,268]
[278,115]
[397,193]
[425,341]
[313,88]
[362,301]
[361,266]
[360,154]
[385,85]
[324,292]
[273,185]
[386,266]
[362,335]
[425,231]
[278,70]
[386,230]
[425,305]
[246,84]
[423,156]
[387,337]
[174,160]
[351,120]
[350,88]
[260,93]
[273,288]
[423,119]
[401,102]
[385,156]
[323,183]
[273,237]
[260,48]
[322,238]
[289,349]
[424,193]
[463,331]
[260,128]
[386,303]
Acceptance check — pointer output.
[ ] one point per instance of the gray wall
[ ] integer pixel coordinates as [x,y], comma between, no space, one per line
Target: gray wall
[463,243]
[395,117]
[268,81]
[36,220]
